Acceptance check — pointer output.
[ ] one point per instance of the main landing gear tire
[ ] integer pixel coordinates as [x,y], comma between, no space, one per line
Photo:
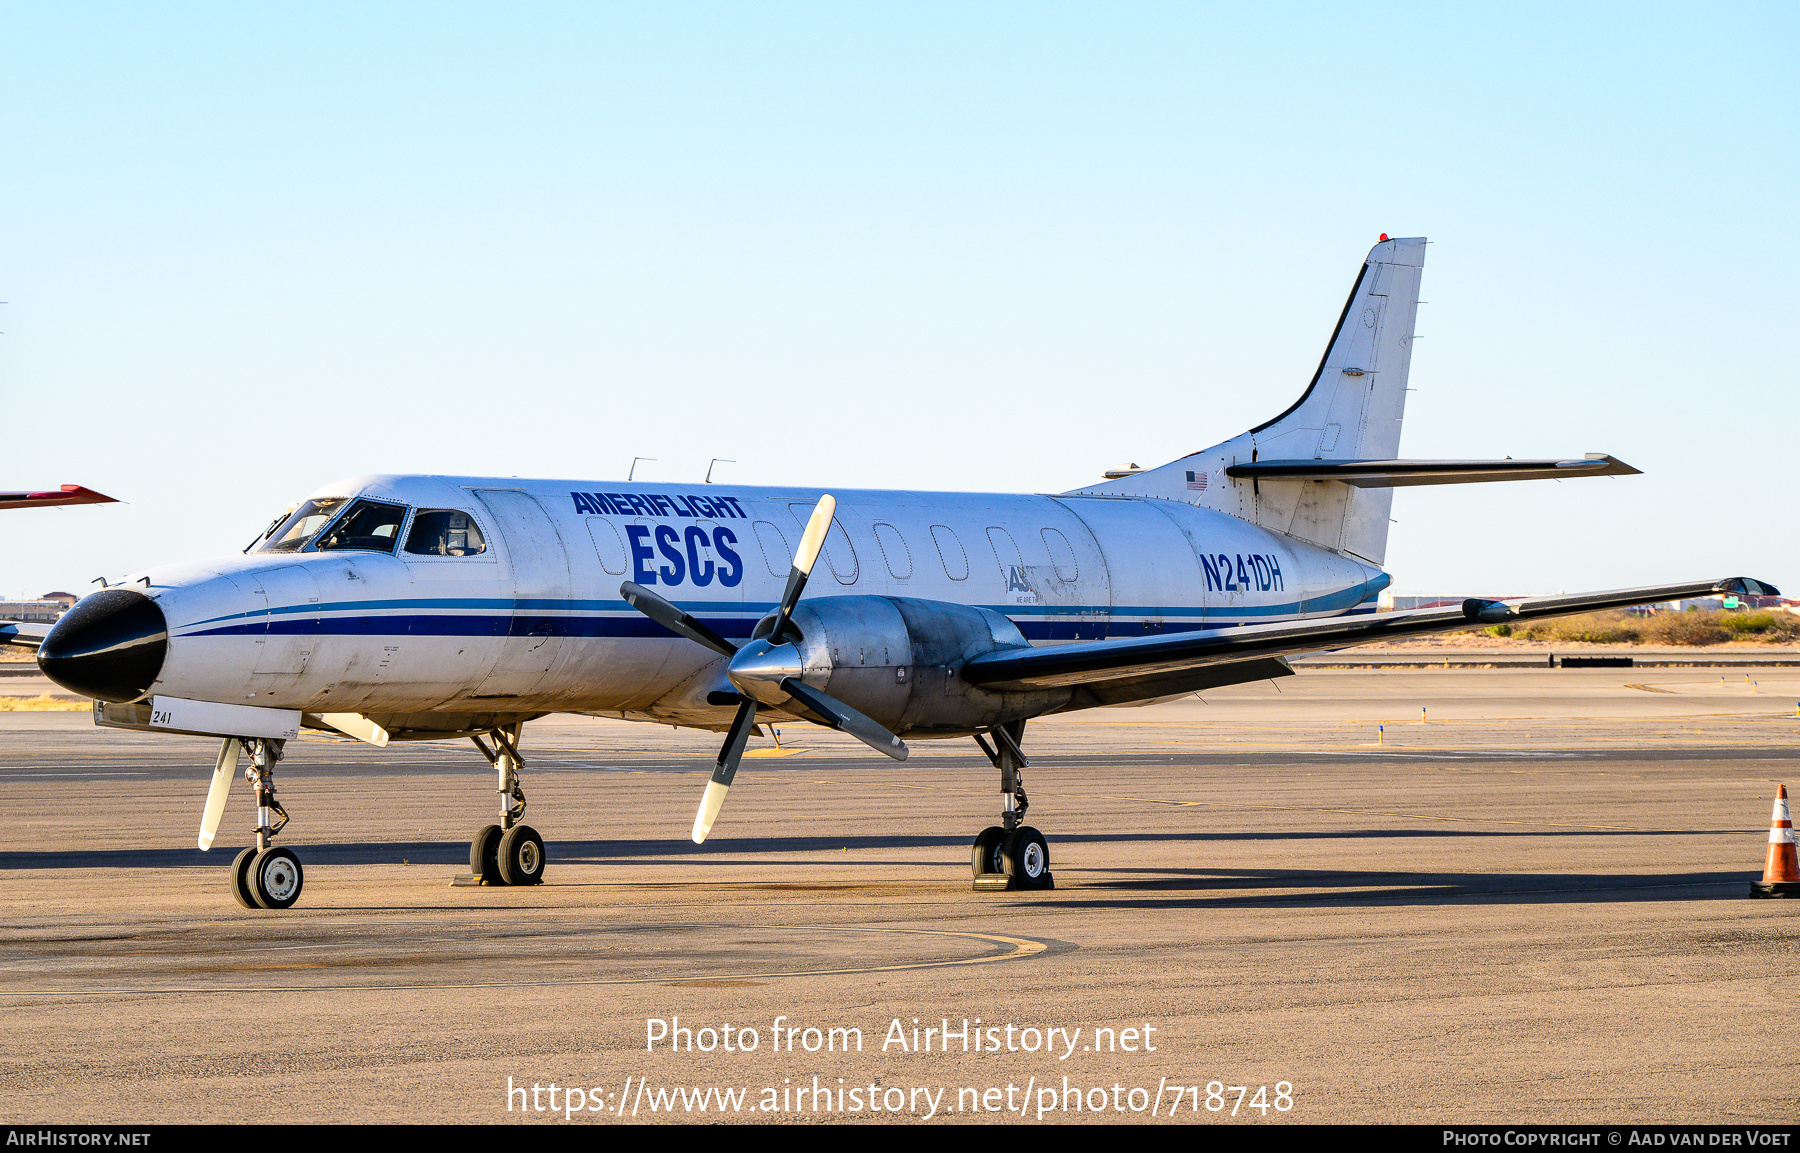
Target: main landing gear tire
[484,855]
[1026,857]
[276,878]
[240,879]
[521,856]
[985,856]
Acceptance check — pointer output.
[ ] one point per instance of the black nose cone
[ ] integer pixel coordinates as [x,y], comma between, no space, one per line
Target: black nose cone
[110,645]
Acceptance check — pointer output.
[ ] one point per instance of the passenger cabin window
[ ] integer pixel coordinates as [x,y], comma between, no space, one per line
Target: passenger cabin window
[1006,555]
[293,533]
[778,556]
[369,526]
[894,550]
[950,551]
[607,544]
[1062,555]
[839,556]
[444,532]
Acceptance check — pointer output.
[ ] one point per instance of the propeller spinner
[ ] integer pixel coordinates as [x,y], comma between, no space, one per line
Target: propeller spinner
[766,671]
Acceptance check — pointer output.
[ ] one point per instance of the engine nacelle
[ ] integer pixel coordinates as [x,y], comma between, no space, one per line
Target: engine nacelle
[896,660]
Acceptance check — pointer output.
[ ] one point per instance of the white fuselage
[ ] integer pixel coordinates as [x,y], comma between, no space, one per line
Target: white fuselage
[535,623]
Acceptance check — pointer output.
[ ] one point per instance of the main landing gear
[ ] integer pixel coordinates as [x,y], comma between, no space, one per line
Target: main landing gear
[507,853]
[1012,854]
[262,876]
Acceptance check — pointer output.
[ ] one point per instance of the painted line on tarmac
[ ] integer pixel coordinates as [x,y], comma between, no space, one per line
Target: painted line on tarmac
[581,765]
[1283,808]
[66,774]
[1021,948]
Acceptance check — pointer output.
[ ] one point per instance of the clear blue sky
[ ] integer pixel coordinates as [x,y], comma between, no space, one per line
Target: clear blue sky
[248,249]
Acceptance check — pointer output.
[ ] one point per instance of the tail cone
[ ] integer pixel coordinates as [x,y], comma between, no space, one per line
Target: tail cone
[1781,872]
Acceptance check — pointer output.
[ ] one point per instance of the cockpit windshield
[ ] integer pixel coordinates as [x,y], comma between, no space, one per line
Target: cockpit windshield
[370,525]
[291,534]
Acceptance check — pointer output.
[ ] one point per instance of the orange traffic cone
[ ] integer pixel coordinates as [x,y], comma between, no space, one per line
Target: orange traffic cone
[1781,875]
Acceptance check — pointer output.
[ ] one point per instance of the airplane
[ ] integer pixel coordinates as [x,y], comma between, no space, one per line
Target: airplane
[390,608]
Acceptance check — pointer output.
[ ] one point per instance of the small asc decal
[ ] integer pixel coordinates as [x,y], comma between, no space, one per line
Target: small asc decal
[1196,482]
[1018,590]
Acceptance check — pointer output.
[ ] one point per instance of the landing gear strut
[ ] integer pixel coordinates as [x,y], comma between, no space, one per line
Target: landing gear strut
[262,876]
[508,853]
[1012,854]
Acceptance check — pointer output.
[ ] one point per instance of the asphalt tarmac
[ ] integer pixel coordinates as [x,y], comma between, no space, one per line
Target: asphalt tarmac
[1529,905]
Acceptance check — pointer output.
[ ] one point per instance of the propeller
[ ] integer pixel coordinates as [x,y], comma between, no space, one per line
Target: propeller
[673,619]
[223,771]
[766,671]
[807,555]
[714,798]
[846,719]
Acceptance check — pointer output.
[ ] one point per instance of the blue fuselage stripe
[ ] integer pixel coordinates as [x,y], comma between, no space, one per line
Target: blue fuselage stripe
[477,617]
[709,610]
[621,627]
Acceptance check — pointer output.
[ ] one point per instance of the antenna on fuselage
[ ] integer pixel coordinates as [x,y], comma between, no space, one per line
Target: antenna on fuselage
[709,468]
[634,464]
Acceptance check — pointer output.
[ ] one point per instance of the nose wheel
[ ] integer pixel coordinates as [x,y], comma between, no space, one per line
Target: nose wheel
[240,878]
[276,878]
[262,876]
[1011,855]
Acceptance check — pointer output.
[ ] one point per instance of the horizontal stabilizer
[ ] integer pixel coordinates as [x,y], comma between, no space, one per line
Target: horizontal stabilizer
[20,633]
[1405,473]
[1089,663]
[68,494]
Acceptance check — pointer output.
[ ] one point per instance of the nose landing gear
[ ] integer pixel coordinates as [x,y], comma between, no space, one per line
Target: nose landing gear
[262,876]
[1011,855]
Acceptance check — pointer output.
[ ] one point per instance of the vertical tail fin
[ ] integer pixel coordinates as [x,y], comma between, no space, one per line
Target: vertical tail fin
[1351,410]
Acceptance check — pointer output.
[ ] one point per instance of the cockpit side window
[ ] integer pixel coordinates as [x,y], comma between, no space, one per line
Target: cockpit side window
[444,532]
[292,533]
[369,526]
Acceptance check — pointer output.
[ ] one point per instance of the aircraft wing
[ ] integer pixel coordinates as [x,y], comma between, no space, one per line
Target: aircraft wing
[1156,665]
[68,494]
[20,633]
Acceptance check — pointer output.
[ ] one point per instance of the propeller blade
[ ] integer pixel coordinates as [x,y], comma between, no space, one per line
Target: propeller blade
[714,799]
[807,555]
[673,619]
[846,719]
[223,771]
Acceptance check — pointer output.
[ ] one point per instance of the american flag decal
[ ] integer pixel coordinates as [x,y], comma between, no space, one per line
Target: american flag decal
[1196,482]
